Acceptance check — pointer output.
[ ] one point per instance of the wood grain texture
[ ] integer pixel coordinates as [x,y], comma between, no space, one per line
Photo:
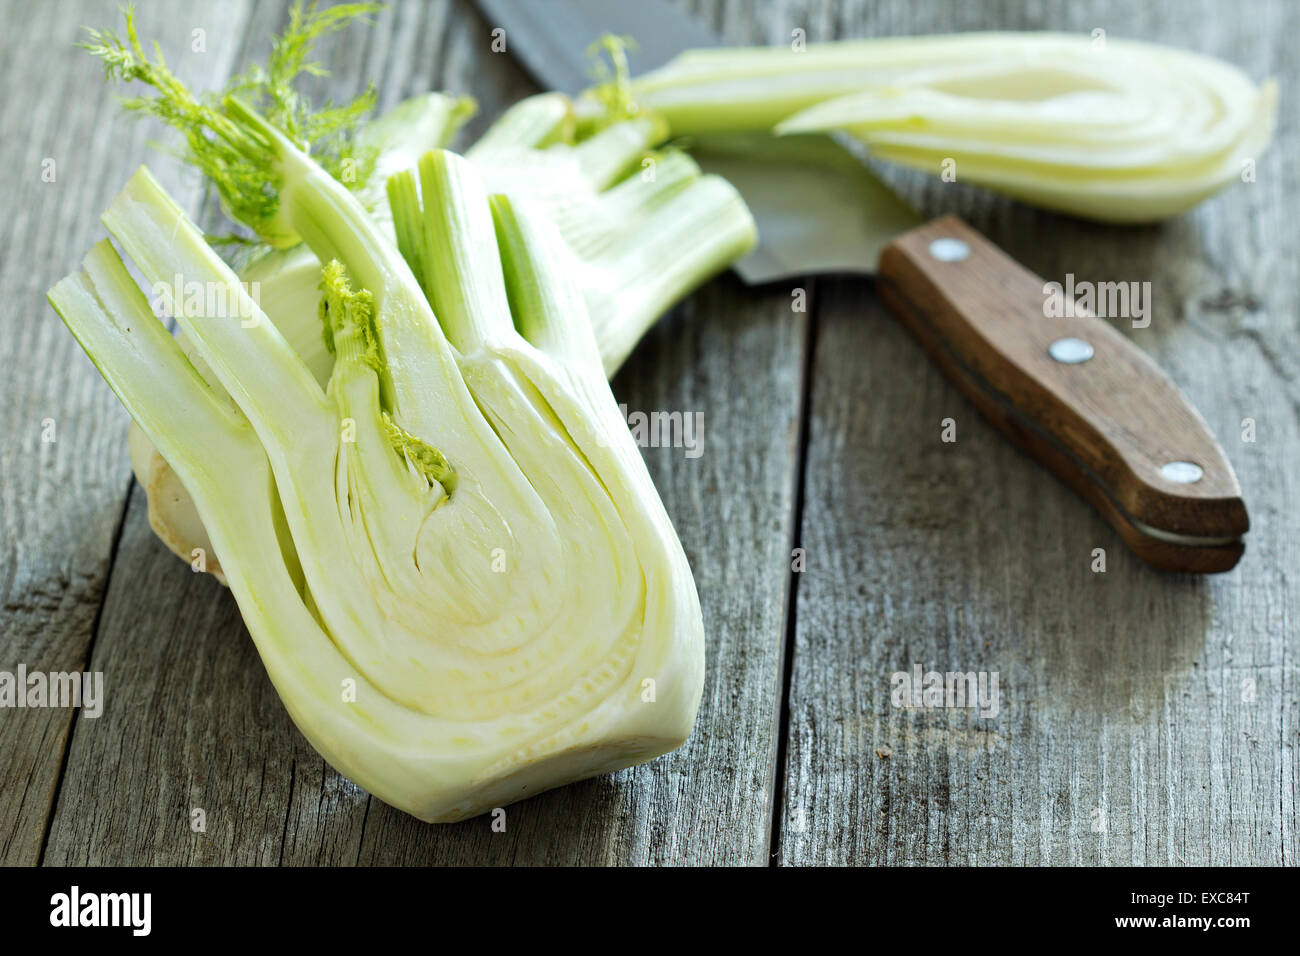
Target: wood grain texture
[61,501]
[1105,426]
[195,725]
[1145,717]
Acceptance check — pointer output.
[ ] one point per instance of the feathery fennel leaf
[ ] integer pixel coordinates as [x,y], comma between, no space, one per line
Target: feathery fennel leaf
[329,131]
[613,79]
[231,156]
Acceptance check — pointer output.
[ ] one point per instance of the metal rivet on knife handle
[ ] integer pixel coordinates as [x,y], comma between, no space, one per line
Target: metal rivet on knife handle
[1070,351]
[1182,472]
[949,250]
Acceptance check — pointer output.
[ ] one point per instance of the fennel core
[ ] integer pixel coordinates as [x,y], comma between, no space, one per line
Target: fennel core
[350,327]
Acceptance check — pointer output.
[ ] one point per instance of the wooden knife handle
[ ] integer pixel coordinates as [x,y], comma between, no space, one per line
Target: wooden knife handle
[1100,414]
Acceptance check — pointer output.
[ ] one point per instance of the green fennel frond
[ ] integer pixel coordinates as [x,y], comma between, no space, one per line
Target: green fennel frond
[351,329]
[326,132]
[348,317]
[613,79]
[234,158]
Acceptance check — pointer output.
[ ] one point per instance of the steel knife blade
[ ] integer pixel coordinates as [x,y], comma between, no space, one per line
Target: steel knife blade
[804,228]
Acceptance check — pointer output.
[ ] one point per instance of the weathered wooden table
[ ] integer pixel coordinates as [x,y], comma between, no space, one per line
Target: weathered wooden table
[1145,717]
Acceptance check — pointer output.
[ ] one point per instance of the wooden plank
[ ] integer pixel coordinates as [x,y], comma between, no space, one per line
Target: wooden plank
[1145,718]
[61,502]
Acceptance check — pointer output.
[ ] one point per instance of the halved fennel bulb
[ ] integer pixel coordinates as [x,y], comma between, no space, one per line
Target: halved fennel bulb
[1101,128]
[451,559]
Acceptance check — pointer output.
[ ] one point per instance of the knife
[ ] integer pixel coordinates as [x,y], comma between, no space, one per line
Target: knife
[1072,392]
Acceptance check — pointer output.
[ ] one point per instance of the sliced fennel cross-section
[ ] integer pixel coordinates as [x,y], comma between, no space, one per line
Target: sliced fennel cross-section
[451,558]
[1102,128]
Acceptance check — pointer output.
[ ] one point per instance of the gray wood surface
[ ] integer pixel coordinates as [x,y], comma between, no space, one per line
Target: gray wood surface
[1128,732]
[1166,706]
[61,502]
